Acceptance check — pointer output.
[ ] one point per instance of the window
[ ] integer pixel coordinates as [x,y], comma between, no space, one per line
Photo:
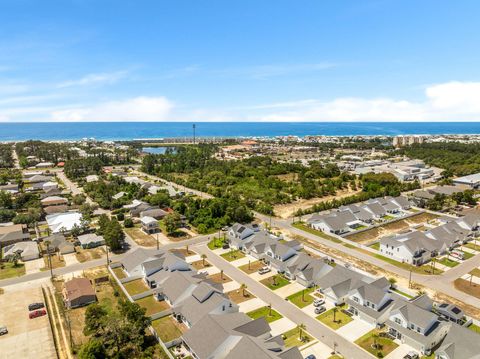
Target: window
[355,299]
[398,321]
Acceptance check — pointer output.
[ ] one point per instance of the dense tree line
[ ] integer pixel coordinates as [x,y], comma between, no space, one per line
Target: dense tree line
[260,181]
[456,158]
[119,334]
[6,157]
[441,201]
[373,186]
[24,208]
[102,192]
[112,232]
[78,169]
[212,214]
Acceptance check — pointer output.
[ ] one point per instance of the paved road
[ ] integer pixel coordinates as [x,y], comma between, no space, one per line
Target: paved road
[96,262]
[290,311]
[441,283]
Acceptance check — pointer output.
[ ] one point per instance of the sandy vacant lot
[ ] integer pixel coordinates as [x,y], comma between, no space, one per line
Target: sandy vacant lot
[27,338]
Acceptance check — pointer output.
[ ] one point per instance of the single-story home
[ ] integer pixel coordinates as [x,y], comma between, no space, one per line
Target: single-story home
[90,240]
[78,292]
[27,250]
[13,234]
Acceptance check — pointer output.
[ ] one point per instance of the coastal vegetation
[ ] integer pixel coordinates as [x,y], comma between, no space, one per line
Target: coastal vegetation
[455,157]
[260,182]
[373,185]
[6,157]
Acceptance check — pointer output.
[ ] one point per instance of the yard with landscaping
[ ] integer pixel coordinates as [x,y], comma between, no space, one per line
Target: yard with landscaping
[448,262]
[216,243]
[9,270]
[474,328]
[376,343]
[219,278]
[252,267]
[168,328]
[335,318]
[292,337]
[240,295]
[135,287]
[152,305]
[473,246]
[201,264]
[303,298]
[275,281]
[270,314]
[119,272]
[233,255]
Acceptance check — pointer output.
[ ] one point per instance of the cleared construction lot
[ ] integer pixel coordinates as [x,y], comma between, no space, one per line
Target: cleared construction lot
[26,338]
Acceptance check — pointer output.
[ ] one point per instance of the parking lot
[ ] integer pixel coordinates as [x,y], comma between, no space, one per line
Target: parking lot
[26,338]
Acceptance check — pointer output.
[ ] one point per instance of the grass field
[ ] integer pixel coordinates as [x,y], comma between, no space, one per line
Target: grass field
[303,298]
[168,328]
[270,315]
[135,287]
[119,273]
[10,271]
[341,318]
[384,345]
[152,305]
[233,255]
[276,281]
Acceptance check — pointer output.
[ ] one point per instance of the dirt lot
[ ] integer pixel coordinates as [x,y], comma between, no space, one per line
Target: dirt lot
[219,278]
[287,210]
[140,237]
[367,237]
[84,255]
[27,338]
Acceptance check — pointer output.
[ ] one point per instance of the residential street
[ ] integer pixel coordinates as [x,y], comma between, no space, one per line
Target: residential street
[290,311]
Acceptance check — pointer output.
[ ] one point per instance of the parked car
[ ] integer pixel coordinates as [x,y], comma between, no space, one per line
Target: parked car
[458,255]
[320,310]
[264,270]
[311,356]
[37,313]
[318,302]
[411,355]
[3,330]
[34,306]
[226,246]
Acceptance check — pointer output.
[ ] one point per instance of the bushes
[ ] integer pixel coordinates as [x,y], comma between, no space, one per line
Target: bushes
[120,216]
[128,223]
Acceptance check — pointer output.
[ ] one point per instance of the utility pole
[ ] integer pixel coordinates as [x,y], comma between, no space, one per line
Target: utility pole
[106,250]
[158,246]
[193,133]
[410,278]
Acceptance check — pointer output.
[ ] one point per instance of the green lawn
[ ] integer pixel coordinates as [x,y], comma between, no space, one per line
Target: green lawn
[167,328]
[216,243]
[424,269]
[119,272]
[375,246]
[473,246]
[467,255]
[152,305]
[303,298]
[385,345]
[474,328]
[275,282]
[270,315]
[233,255]
[135,287]
[304,227]
[340,318]
[403,293]
[10,271]
[292,338]
[448,262]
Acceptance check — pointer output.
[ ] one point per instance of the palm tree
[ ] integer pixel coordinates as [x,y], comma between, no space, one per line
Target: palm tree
[221,274]
[375,337]
[243,287]
[47,243]
[335,310]
[186,248]
[274,279]
[392,281]
[301,327]
[203,256]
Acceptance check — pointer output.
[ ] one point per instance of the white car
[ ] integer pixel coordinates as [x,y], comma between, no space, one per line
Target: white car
[264,270]
[318,302]
[3,330]
[320,310]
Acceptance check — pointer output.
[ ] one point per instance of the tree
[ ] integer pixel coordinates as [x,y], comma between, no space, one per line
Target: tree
[94,319]
[203,256]
[172,222]
[6,200]
[243,287]
[335,310]
[392,281]
[113,234]
[128,223]
[78,199]
[301,327]
[93,349]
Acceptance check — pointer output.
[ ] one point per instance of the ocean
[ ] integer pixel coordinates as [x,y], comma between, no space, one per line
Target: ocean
[141,130]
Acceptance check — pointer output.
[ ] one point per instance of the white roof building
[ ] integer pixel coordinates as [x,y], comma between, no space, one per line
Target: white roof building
[66,221]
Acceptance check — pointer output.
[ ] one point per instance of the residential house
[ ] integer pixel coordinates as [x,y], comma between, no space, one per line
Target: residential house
[58,243]
[459,343]
[54,201]
[10,188]
[59,222]
[78,292]
[91,240]
[91,178]
[13,233]
[154,212]
[149,224]
[27,250]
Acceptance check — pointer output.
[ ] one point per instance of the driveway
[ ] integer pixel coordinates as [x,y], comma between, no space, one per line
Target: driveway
[27,338]
[281,326]
[287,309]
[34,266]
[228,287]
[70,259]
[289,289]
[242,261]
[355,329]
[400,352]
[251,304]
[320,350]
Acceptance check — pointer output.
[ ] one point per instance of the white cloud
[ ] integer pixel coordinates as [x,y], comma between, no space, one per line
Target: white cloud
[451,101]
[134,109]
[95,79]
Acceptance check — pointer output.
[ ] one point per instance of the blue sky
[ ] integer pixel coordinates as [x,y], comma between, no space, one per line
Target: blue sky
[265,60]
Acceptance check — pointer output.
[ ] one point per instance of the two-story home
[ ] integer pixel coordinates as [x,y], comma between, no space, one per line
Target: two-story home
[149,225]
